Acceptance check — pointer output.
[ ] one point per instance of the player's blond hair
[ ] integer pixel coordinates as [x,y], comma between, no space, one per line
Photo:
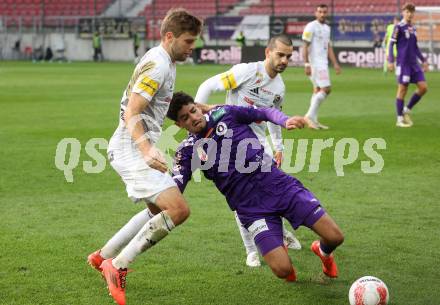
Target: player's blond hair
[179,21]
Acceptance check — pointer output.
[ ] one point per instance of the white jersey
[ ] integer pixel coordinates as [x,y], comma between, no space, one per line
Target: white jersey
[248,84]
[318,35]
[153,78]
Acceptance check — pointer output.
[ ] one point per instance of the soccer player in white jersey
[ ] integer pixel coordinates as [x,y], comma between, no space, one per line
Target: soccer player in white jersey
[132,153]
[257,84]
[317,50]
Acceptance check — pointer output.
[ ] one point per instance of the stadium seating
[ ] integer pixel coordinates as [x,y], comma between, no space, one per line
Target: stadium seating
[28,9]
[201,8]
[288,7]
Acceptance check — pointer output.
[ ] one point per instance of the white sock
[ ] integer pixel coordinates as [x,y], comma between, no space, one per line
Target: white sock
[126,233]
[151,233]
[248,241]
[399,118]
[315,102]
[406,110]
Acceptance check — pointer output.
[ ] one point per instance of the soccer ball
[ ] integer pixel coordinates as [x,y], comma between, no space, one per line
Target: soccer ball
[368,290]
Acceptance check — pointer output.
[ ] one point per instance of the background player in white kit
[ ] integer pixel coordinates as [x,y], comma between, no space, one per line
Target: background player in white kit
[132,153]
[317,50]
[257,84]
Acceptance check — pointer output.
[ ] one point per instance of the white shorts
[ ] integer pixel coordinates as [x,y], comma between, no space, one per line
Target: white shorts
[141,181]
[320,77]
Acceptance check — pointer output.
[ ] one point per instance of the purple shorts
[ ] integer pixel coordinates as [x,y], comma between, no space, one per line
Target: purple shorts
[277,195]
[409,74]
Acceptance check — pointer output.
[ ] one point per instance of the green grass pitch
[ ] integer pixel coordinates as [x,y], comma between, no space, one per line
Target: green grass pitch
[49,226]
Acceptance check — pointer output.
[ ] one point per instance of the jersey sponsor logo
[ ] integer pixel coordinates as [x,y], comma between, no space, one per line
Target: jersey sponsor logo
[277,98]
[407,34]
[258,227]
[248,100]
[317,210]
[228,80]
[255,91]
[149,85]
[221,129]
[267,91]
[218,114]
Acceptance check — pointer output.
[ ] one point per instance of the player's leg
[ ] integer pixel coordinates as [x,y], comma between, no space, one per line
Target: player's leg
[120,239]
[418,78]
[311,115]
[305,209]
[252,258]
[402,89]
[330,238]
[290,240]
[174,211]
[267,233]
[280,263]
[321,79]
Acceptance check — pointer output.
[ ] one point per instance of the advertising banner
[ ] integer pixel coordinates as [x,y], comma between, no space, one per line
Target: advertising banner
[360,27]
[291,26]
[221,55]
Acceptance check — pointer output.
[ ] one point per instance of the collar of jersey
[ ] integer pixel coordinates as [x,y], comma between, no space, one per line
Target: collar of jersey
[165,53]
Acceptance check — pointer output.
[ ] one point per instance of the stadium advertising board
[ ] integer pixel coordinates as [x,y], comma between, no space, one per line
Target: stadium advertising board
[360,27]
[348,56]
[254,27]
[292,26]
[222,27]
[221,55]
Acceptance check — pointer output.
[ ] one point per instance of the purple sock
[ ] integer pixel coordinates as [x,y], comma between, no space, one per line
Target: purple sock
[399,106]
[326,249]
[414,100]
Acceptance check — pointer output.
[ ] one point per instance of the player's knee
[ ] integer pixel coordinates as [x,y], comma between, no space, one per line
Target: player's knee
[184,211]
[282,271]
[179,211]
[423,90]
[327,90]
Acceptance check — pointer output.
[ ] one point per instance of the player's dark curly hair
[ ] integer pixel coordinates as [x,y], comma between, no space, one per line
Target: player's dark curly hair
[179,100]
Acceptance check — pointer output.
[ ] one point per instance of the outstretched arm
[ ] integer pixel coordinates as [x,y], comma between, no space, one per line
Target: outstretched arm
[249,115]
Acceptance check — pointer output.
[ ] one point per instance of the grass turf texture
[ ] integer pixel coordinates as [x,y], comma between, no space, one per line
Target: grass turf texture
[49,226]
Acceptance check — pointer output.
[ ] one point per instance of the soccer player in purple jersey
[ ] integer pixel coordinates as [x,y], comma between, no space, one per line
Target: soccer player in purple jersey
[228,152]
[407,68]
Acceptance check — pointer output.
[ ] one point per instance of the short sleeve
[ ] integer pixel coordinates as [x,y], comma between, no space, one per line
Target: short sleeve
[308,33]
[237,75]
[150,78]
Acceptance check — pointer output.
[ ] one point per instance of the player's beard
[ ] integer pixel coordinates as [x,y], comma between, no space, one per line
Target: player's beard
[278,68]
[177,54]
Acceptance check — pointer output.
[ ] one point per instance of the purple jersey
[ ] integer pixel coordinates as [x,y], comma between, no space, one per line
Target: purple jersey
[228,152]
[405,37]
